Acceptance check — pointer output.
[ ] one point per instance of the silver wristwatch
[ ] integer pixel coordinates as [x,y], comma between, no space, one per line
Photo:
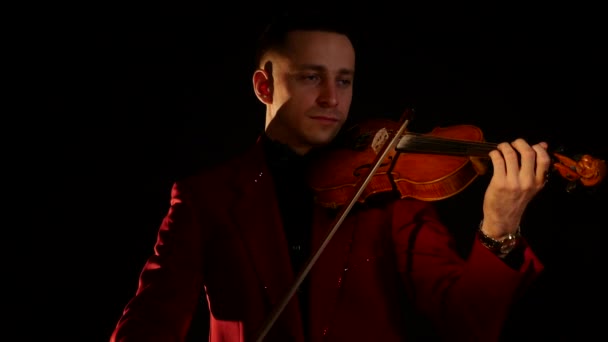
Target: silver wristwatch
[500,247]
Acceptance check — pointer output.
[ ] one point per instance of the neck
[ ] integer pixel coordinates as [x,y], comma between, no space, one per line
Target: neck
[297,149]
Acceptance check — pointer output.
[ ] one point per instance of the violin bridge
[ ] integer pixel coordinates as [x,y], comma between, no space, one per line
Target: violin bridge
[380,139]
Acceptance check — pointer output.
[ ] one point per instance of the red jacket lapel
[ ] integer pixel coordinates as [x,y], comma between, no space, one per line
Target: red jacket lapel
[256,215]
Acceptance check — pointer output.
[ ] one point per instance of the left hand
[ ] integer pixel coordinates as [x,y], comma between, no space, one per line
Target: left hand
[520,172]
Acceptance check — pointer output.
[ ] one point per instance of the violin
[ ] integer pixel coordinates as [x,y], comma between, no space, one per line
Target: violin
[430,166]
[379,156]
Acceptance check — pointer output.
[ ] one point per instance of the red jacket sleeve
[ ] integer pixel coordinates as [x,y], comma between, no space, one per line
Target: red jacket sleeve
[170,284]
[466,299]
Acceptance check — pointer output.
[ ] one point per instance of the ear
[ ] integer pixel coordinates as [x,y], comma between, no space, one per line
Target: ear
[262,85]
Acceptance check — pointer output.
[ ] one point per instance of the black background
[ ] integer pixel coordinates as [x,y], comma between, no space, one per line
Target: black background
[135,99]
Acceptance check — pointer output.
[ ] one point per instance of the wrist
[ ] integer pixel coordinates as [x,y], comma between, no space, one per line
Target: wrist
[500,246]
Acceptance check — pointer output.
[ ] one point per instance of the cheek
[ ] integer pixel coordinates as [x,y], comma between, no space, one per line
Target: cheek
[345,101]
[293,96]
[280,96]
[303,101]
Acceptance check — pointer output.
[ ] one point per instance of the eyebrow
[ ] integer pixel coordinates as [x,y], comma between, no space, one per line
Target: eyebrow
[320,68]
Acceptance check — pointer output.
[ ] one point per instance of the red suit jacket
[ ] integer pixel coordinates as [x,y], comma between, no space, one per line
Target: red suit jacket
[223,237]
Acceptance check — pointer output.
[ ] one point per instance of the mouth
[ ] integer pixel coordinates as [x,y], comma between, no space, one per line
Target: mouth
[325,118]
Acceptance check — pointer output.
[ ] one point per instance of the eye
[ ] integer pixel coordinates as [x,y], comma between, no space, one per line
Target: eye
[345,82]
[310,77]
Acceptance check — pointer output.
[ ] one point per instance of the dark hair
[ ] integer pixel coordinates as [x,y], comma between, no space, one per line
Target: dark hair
[275,33]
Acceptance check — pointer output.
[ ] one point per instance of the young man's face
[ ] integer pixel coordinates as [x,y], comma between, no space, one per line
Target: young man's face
[312,88]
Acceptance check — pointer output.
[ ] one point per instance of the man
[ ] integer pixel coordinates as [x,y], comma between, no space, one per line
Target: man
[239,233]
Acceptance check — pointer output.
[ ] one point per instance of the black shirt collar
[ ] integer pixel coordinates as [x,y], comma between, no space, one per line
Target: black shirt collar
[281,155]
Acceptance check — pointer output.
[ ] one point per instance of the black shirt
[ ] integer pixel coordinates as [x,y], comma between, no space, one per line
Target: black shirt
[295,199]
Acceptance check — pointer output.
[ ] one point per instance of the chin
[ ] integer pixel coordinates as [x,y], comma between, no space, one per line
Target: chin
[322,141]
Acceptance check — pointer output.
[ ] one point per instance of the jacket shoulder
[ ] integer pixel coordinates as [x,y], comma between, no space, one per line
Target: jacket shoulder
[227,172]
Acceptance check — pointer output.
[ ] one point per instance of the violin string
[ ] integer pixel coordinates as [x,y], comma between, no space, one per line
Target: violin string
[485,144]
[424,143]
[450,140]
[453,143]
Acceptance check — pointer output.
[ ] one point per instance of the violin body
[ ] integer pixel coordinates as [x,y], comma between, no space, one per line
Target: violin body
[425,176]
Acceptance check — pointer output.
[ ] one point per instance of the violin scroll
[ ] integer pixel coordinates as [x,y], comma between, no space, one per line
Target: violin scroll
[587,170]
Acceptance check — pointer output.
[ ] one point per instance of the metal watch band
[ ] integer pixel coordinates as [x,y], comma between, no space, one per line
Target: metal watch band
[503,246]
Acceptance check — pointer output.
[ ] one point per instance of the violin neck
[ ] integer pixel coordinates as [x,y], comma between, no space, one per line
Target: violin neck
[416,143]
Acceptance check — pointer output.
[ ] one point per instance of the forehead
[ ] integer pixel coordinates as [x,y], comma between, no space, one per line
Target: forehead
[330,50]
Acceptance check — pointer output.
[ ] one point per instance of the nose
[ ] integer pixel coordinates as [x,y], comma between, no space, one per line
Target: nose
[328,96]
